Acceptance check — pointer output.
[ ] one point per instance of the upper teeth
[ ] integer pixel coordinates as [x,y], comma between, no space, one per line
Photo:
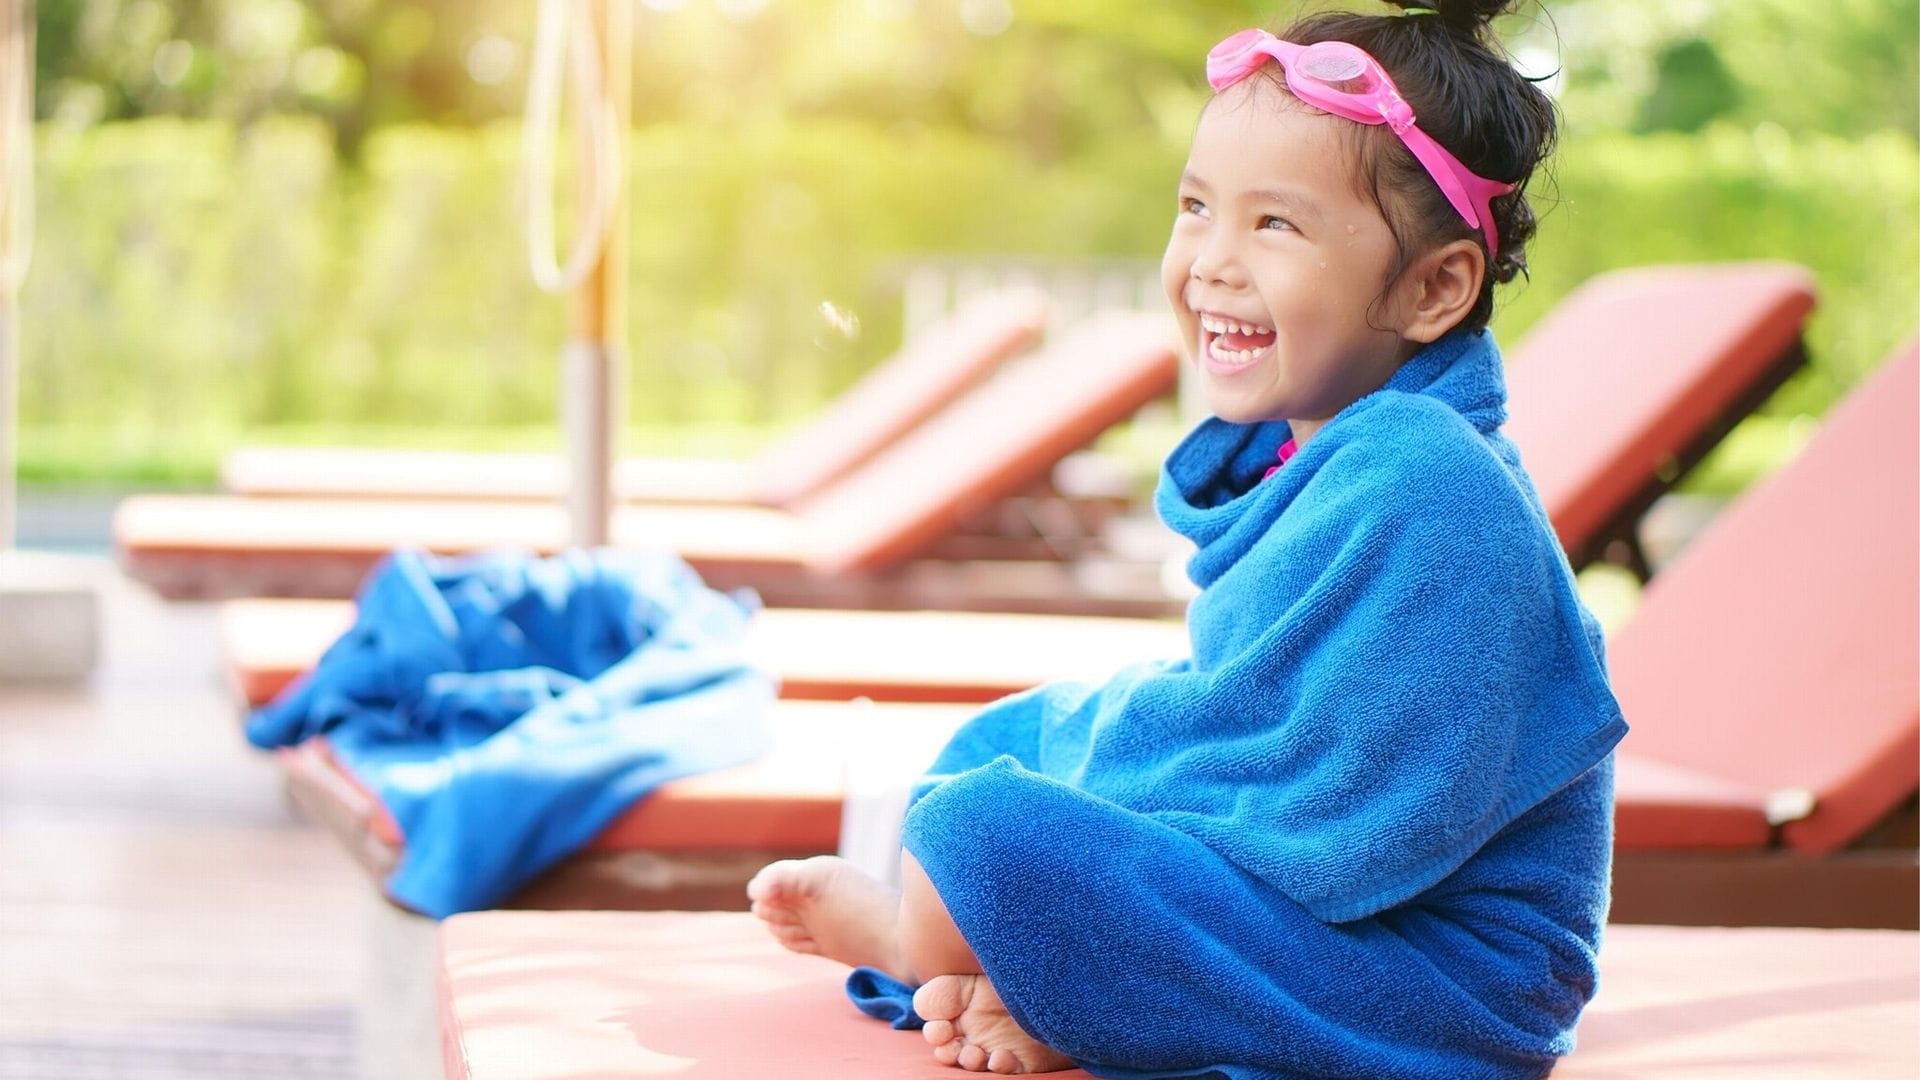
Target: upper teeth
[1215,325]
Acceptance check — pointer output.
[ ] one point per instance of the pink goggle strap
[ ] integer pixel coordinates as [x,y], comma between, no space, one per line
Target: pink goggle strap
[1469,194]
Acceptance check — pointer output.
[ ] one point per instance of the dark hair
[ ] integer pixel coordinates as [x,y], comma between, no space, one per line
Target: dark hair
[1468,96]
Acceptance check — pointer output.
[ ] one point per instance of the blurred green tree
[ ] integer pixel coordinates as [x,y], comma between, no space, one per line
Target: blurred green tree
[1844,67]
[1691,87]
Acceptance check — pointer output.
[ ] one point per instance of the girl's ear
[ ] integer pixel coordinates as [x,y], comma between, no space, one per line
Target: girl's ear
[1440,288]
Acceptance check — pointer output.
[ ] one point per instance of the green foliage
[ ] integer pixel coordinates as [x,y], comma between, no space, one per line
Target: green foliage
[1843,67]
[336,245]
[192,278]
[180,271]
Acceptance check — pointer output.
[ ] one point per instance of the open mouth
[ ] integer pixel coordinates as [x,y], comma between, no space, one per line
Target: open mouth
[1231,343]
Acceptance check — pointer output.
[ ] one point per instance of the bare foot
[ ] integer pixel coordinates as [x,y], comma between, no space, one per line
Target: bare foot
[968,1026]
[827,906]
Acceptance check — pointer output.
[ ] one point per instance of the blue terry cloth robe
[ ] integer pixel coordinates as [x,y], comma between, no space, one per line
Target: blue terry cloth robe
[506,709]
[1364,830]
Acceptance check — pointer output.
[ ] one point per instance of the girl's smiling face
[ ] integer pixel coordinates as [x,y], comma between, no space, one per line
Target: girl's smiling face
[1277,264]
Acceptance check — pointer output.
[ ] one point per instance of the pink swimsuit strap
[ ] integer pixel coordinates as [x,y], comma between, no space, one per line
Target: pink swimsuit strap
[1287,450]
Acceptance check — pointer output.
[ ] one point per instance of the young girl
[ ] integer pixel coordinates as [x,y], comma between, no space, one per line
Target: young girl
[1363,831]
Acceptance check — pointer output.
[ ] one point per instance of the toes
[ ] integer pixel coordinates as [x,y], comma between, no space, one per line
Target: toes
[795,937]
[771,912]
[943,997]
[772,880]
[777,918]
[968,1026]
[760,886]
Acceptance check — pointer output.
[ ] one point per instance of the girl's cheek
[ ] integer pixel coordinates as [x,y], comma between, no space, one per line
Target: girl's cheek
[1173,275]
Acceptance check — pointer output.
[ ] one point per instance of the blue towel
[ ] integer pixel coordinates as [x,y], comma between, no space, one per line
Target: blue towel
[1364,830]
[505,710]
[883,997]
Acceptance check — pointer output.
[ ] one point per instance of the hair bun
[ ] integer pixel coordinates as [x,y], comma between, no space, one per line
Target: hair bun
[1468,16]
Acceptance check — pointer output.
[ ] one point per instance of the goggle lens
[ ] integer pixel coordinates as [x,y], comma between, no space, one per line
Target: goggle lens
[1333,66]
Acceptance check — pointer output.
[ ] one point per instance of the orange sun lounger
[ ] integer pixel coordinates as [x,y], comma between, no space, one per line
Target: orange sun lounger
[1771,679]
[552,995]
[895,397]
[994,443]
[1635,376]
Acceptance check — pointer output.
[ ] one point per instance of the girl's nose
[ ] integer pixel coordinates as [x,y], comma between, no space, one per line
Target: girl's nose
[1215,263]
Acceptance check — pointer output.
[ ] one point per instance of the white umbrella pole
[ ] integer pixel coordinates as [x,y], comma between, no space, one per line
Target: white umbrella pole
[595,360]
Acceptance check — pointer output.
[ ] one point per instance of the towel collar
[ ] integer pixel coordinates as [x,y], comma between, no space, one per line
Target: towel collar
[1215,473]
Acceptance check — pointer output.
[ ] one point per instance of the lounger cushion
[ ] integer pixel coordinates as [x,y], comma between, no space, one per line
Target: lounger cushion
[224,528]
[1035,411]
[546,995]
[818,655]
[1633,367]
[1658,805]
[1781,652]
[337,472]
[790,800]
[931,370]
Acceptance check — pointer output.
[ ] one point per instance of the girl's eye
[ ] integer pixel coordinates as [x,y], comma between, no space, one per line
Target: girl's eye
[1193,206]
[1271,222]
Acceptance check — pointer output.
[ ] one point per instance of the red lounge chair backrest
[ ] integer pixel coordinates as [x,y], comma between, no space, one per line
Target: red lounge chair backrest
[1782,649]
[929,371]
[1003,437]
[1632,367]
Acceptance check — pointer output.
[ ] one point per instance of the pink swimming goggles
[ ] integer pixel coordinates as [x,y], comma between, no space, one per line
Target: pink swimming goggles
[1342,79]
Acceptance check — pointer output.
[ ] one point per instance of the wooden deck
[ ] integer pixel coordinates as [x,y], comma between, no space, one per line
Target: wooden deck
[163,914]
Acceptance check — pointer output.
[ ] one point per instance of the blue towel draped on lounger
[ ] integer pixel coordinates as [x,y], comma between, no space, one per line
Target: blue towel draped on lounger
[506,709]
[1363,831]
